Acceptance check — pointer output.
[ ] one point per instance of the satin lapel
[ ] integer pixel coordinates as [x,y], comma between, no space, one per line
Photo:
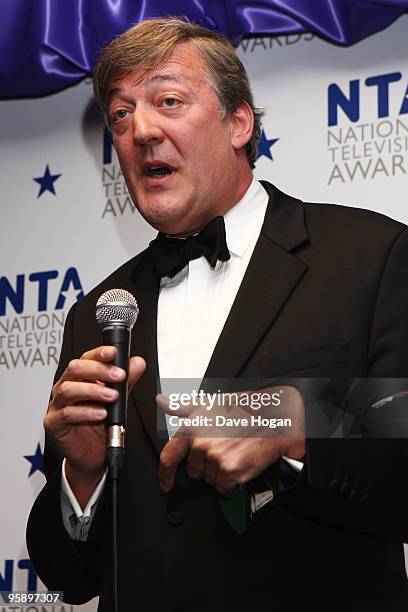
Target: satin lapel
[271,276]
[144,342]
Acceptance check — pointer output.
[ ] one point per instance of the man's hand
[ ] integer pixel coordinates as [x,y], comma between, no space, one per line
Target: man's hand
[225,462]
[77,411]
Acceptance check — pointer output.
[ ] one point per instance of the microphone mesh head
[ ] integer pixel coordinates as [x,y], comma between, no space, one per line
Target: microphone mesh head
[116,307]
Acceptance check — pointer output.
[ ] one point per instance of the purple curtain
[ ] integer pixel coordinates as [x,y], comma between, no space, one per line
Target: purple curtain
[47,45]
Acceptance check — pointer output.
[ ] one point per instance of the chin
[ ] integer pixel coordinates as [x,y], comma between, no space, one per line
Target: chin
[165,216]
[162,221]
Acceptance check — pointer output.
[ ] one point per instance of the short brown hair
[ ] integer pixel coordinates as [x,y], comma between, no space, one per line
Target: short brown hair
[152,41]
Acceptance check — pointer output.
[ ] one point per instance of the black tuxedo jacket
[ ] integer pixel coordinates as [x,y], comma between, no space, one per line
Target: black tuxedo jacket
[325,297]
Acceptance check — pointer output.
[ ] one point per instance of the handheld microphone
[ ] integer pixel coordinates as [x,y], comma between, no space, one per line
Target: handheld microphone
[116,313]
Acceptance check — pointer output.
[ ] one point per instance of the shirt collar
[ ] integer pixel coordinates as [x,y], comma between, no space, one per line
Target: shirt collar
[243,222]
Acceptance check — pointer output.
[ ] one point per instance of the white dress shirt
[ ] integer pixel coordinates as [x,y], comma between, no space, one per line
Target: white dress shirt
[194,305]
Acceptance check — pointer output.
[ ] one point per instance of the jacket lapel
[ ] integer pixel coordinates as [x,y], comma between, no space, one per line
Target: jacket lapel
[272,275]
[145,285]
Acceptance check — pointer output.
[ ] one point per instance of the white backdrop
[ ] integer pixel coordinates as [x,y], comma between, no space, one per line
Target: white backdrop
[335,130]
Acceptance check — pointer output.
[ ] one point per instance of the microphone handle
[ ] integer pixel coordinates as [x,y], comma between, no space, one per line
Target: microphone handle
[118,336]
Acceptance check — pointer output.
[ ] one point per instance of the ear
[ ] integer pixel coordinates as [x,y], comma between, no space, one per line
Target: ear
[242,124]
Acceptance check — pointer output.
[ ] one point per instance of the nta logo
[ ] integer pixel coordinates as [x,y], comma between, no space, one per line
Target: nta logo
[10,576]
[349,102]
[15,293]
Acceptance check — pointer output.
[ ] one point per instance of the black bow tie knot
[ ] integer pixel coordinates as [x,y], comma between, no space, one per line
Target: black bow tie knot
[172,254]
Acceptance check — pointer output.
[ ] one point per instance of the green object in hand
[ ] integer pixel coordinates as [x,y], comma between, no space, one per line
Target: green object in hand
[236,509]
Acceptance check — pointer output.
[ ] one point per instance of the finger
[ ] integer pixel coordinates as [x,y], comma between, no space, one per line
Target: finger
[210,471]
[57,421]
[225,467]
[229,490]
[104,353]
[196,462]
[213,470]
[68,393]
[173,407]
[137,366]
[90,370]
[225,486]
[171,456]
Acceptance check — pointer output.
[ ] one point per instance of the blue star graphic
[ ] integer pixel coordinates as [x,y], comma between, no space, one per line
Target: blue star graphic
[47,181]
[265,145]
[36,461]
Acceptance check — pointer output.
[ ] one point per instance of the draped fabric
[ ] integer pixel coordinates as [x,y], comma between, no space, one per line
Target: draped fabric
[47,45]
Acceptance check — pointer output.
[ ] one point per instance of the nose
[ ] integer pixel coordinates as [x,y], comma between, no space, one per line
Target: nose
[146,128]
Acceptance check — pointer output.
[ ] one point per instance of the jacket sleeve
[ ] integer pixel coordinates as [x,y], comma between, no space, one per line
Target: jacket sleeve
[358,479]
[61,563]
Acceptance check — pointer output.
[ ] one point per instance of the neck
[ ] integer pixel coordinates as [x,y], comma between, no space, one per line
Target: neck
[222,210]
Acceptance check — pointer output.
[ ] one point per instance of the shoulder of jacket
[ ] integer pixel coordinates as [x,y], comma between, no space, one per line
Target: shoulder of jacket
[120,278]
[358,226]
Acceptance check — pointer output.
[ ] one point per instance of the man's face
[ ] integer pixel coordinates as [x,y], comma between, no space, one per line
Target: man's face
[177,154]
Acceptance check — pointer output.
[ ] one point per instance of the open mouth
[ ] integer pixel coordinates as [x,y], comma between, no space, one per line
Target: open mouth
[158,171]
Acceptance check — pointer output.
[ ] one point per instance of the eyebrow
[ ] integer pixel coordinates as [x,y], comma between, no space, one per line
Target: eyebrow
[161,78]
[151,81]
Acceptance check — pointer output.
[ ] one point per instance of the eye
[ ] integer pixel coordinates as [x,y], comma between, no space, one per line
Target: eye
[119,114]
[170,102]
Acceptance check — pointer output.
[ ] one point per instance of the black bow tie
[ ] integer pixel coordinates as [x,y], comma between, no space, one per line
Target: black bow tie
[171,254]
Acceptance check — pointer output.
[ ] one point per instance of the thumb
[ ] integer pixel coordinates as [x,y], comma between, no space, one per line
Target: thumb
[137,366]
[172,406]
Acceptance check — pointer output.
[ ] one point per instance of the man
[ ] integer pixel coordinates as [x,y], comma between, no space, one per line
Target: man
[303,291]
